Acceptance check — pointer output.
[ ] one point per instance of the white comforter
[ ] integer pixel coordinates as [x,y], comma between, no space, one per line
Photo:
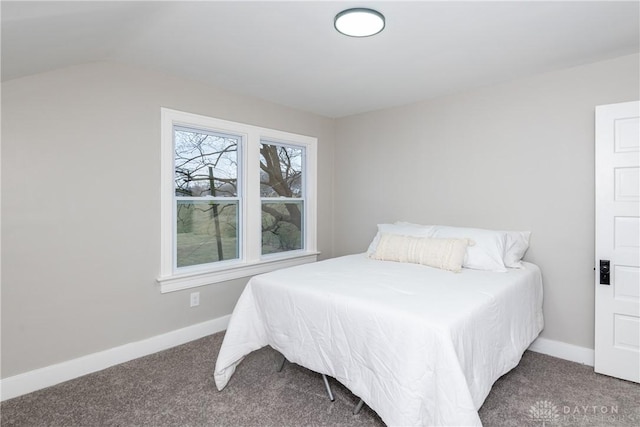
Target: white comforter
[420,346]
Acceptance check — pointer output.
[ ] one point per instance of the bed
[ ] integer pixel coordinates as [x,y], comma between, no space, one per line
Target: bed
[420,345]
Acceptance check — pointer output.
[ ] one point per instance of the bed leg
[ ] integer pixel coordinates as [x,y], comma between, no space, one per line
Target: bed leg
[326,384]
[281,365]
[356,410]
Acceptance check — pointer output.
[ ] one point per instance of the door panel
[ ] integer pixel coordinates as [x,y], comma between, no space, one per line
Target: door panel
[627,132]
[626,229]
[627,184]
[626,285]
[627,332]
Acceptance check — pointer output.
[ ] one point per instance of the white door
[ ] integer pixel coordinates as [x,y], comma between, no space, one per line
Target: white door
[617,329]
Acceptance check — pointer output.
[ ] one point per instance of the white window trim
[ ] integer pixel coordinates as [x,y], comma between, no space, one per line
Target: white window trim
[251,260]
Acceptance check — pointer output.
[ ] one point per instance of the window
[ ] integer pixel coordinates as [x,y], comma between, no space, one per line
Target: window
[282,193]
[237,200]
[206,196]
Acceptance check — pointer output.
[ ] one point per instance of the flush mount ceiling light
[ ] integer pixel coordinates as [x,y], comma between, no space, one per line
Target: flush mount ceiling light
[359,22]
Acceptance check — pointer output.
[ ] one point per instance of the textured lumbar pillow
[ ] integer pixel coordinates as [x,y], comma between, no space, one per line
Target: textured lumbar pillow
[446,254]
[401,228]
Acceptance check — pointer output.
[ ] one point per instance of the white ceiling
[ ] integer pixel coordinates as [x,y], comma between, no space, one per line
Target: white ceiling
[290,54]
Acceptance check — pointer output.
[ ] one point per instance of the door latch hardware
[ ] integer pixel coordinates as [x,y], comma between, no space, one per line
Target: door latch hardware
[604,272]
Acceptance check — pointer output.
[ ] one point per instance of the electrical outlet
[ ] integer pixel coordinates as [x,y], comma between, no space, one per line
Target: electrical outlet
[195,299]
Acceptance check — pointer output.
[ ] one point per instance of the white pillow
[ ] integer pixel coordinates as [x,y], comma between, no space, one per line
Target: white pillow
[446,254]
[516,245]
[402,229]
[410,224]
[488,251]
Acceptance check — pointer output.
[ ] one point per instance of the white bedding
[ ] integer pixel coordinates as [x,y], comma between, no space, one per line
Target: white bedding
[420,346]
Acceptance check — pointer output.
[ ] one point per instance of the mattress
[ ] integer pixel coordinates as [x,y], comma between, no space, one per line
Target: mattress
[420,346]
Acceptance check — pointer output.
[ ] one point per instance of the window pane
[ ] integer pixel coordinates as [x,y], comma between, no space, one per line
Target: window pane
[281,171]
[206,164]
[281,226]
[206,231]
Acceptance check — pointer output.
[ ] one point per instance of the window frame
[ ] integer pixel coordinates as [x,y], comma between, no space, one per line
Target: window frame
[251,261]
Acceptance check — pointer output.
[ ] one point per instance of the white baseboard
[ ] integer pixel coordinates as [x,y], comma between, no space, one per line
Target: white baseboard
[50,375]
[563,350]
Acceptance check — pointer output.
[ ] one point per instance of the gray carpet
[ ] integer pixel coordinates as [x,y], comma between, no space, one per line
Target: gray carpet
[175,388]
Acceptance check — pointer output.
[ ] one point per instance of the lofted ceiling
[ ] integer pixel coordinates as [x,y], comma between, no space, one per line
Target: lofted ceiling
[290,54]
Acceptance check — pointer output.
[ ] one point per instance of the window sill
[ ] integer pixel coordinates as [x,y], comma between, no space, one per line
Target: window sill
[192,280]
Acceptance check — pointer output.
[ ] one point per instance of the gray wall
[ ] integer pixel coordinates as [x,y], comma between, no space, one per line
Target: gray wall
[80,192]
[517,156]
[80,208]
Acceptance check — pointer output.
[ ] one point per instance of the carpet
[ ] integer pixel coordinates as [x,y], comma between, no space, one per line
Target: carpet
[175,387]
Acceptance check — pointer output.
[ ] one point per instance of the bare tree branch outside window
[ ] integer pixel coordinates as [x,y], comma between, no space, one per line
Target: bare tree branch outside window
[206,171]
[281,179]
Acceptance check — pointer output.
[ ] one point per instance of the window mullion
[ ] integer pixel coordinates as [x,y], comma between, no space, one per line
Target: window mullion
[207,199]
[310,195]
[252,238]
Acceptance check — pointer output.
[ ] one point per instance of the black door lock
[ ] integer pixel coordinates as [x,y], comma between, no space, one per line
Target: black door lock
[604,272]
